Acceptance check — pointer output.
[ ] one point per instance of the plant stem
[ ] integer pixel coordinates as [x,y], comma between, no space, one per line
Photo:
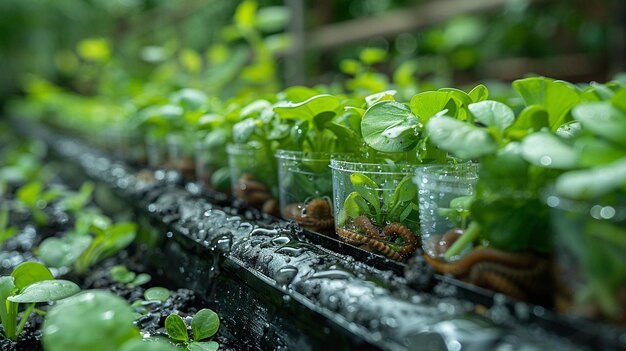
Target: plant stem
[470,235]
[25,316]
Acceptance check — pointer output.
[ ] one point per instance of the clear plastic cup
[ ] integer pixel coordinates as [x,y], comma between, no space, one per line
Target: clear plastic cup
[444,194]
[253,176]
[212,166]
[306,189]
[376,207]
[590,250]
[180,148]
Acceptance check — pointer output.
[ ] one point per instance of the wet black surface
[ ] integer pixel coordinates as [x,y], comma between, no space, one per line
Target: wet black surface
[274,289]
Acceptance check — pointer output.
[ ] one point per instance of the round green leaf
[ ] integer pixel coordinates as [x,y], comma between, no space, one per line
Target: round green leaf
[463,140]
[430,103]
[156,293]
[141,278]
[390,126]
[204,324]
[28,273]
[547,150]
[602,119]
[594,182]
[308,109]
[44,291]
[176,328]
[122,275]
[190,99]
[147,345]
[92,320]
[203,346]
[493,114]
[479,93]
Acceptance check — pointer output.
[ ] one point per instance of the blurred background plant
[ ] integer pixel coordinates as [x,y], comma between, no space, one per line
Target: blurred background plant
[149,48]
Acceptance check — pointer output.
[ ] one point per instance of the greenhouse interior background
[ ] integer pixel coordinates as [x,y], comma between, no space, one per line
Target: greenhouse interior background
[303,175]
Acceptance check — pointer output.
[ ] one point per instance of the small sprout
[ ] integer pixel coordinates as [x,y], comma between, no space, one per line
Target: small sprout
[29,283]
[122,275]
[204,325]
[156,294]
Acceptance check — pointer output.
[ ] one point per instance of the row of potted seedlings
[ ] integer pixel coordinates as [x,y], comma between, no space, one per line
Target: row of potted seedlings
[523,195]
[51,237]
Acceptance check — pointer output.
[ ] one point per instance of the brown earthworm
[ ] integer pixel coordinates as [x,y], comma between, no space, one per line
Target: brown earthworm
[375,240]
[365,224]
[256,194]
[519,275]
[462,266]
[351,237]
[399,229]
[497,282]
[316,215]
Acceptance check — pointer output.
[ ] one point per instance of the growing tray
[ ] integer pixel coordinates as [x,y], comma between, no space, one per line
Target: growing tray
[277,286]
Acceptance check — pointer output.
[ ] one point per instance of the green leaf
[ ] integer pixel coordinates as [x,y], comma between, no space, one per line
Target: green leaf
[367,189]
[390,126]
[28,273]
[463,140]
[122,275]
[372,55]
[405,191]
[203,346]
[596,152]
[321,119]
[353,206]
[558,97]
[603,120]
[493,114]
[619,100]
[343,133]
[176,328]
[63,252]
[479,93]
[272,18]
[370,100]
[72,323]
[547,150]
[204,324]
[190,99]
[29,193]
[245,14]
[430,103]
[45,291]
[308,109]
[147,345]
[533,118]
[594,182]
[299,133]
[244,129]
[157,294]
[76,202]
[298,93]
[7,317]
[141,279]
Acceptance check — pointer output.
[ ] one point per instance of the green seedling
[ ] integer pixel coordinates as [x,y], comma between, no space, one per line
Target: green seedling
[95,320]
[29,283]
[6,232]
[154,295]
[204,325]
[381,207]
[93,239]
[122,275]
[34,198]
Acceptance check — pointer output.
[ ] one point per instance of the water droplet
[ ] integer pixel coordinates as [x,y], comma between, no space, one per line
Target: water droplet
[545,160]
